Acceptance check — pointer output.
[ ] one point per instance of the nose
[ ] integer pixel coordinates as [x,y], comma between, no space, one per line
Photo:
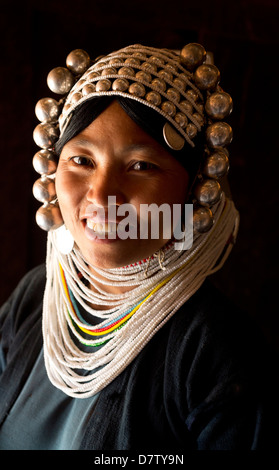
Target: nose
[104,183]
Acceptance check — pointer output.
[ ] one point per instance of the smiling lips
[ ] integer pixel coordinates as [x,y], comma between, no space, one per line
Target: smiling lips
[102,227]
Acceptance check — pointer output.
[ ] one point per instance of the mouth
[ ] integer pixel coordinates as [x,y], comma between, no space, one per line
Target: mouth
[102,228]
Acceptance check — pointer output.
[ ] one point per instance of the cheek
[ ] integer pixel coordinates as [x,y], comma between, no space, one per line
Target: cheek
[69,192]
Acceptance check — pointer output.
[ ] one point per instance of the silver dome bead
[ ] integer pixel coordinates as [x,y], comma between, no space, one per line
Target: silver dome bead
[166,75]
[145,76]
[132,61]
[92,75]
[202,219]
[89,88]
[219,105]
[76,97]
[126,71]
[216,165]
[193,55]
[49,217]
[207,77]
[47,109]
[78,61]
[60,80]
[181,119]
[147,67]
[191,130]
[179,83]
[120,84]
[45,162]
[159,84]
[157,61]
[207,192]
[45,135]
[173,94]
[137,89]
[154,98]
[188,107]
[169,108]
[109,71]
[103,85]
[219,134]
[44,189]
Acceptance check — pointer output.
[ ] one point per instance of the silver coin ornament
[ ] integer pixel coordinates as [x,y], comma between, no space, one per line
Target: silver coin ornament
[183,87]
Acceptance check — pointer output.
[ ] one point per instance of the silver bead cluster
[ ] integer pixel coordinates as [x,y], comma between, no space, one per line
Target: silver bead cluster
[60,81]
[183,88]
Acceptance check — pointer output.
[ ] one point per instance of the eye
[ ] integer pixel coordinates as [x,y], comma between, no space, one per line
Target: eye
[142,165]
[81,161]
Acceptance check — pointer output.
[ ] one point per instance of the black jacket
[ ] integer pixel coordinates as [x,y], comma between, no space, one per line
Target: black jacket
[204,381]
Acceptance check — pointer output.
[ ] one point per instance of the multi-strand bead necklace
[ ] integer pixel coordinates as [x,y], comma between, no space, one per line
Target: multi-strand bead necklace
[122,324]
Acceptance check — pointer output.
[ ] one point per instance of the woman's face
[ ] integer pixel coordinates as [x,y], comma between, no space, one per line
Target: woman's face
[113,156]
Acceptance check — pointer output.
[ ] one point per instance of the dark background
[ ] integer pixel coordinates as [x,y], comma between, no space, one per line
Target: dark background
[37,36]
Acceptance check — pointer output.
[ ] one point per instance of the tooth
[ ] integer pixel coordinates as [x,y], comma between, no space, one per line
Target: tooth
[102,228]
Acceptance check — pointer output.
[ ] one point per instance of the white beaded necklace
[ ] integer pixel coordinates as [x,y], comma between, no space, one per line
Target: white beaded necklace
[182,274]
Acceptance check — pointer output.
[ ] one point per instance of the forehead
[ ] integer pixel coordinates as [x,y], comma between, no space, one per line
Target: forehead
[114,127]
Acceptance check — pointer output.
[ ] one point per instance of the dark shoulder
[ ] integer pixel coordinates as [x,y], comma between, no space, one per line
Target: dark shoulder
[24,305]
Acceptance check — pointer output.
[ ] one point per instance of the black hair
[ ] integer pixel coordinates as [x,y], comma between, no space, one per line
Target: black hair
[147,118]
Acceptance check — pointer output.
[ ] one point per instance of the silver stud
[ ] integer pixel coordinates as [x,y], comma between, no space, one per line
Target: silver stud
[207,192]
[157,61]
[159,84]
[45,162]
[115,61]
[202,219]
[49,217]
[89,88]
[126,71]
[137,89]
[60,80]
[92,75]
[165,75]
[44,189]
[181,119]
[78,61]
[186,106]
[193,55]
[179,83]
[133,61]
[45,135]
[207,76]
[173,94]
[109,71]
[145,76]
[192,94]
[120,84]
[219,134]
[103,85]
[219,105]
[47,109]
[191,130]
[75,98]
[169,108]
[148,67]
[154,98]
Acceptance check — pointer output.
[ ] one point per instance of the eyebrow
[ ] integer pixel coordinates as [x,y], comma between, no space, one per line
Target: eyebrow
[136,147]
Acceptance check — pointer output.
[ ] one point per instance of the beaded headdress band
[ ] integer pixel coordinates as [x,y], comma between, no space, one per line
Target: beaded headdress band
[182,87]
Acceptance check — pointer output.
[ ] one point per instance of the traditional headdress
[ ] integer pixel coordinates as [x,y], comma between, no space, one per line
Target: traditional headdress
[86,347]
[182,87]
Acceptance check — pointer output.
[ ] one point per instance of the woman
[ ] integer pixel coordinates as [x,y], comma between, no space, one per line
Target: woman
[137,351]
